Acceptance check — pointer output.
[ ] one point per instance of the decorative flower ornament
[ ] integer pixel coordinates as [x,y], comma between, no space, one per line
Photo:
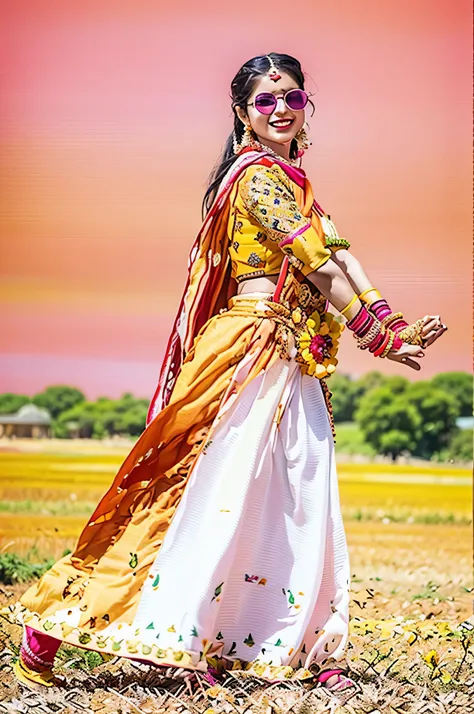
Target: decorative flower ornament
[318,344]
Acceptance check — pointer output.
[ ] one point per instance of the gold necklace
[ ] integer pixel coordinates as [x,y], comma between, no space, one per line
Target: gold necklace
[268,150]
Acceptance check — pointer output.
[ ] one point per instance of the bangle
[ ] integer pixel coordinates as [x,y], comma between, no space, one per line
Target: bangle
[378,352]
[387,321]
[377,342]
[391,338]
[356,297]
[369,290]
[357,322]
[374,331]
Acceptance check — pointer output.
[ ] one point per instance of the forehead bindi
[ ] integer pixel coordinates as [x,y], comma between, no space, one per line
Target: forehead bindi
[265,84]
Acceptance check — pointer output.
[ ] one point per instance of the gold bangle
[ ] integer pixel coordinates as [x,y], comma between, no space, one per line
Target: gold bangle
[356,297]
[387,321]
[370,290]
[364,342]
[389,346]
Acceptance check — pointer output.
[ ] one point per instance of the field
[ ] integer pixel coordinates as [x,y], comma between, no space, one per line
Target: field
[409,534]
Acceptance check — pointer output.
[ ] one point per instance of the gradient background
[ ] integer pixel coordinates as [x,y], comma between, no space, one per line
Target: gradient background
[112,116]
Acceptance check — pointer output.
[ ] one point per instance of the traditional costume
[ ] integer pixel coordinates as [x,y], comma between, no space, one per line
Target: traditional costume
[221,536]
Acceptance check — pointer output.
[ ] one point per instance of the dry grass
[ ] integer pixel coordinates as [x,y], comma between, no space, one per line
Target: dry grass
[411,589]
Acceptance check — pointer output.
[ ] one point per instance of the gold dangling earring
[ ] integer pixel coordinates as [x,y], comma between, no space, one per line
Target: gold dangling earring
[247,139]
[302,138]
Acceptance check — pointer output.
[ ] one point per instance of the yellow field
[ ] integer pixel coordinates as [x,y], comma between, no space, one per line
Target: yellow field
[46,498]
[408,530]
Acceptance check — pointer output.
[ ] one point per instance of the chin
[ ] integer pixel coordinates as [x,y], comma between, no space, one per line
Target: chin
[282,139]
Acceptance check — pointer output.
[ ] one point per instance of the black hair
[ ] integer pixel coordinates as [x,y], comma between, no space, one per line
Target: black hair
[241,89]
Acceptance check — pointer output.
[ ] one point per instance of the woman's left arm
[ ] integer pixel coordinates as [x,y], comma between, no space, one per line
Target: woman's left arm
[362,286]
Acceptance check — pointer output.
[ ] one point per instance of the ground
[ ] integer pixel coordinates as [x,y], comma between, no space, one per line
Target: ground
[411,646]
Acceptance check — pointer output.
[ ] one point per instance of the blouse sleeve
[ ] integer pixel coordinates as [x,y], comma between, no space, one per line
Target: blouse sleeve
[269,199]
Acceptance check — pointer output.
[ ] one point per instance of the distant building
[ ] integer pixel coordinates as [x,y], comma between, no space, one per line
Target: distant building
[29,422]
[465,422]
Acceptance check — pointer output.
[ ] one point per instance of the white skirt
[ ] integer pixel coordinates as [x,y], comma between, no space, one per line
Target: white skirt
[255,558]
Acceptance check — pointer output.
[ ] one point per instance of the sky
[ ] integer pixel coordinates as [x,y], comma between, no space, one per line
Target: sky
[112,115]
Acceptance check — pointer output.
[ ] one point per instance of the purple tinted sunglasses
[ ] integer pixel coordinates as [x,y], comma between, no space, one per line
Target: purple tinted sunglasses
[266,102]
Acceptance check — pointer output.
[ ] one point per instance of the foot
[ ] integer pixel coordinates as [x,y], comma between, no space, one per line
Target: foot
[32,679]
[334,679]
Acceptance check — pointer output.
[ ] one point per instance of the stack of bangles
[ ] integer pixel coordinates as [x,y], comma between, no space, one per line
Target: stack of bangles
[382,310]
[373,333]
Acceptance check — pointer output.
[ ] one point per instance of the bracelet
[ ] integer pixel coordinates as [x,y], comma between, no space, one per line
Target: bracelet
[377,342]
[382,311]
[356,297]
[386,322]
[389,344]
[357,322]
[369,290]
[378,352]
[374,331]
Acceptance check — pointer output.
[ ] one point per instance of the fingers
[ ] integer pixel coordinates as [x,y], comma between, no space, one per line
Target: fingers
[411,350]
[404,359]
[434,335]
[432,322]
[430,326]
[411,363]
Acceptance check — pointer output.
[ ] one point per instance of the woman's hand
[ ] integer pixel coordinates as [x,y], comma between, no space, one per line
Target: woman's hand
[405,355]
[433,328]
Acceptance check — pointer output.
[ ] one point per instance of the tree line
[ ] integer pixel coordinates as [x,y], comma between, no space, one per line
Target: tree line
[395,416]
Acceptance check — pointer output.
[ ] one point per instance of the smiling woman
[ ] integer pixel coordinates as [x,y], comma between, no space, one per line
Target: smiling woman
[220,542]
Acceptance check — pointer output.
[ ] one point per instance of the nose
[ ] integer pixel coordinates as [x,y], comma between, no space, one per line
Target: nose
[280,106]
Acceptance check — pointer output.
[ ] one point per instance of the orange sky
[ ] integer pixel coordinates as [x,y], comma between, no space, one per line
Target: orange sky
[112,116]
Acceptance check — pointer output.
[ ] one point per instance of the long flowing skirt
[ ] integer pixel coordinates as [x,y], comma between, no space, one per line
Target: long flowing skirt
[221,535]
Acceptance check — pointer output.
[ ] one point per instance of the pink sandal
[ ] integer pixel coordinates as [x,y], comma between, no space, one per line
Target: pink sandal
[343,682]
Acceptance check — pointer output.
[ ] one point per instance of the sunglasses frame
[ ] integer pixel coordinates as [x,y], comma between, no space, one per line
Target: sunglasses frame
[284,96]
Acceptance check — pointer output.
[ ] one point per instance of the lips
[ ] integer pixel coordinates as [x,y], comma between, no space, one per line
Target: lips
[282,124]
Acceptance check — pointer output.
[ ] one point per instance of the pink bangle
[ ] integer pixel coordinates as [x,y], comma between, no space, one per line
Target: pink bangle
[397,343]
[377,342]
[359,321]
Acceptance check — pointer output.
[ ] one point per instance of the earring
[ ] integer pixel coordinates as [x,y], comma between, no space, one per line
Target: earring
[302,139]
[247,139]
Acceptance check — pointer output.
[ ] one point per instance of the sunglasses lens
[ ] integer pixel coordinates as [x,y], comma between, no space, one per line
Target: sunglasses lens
[296,99]
[265,103]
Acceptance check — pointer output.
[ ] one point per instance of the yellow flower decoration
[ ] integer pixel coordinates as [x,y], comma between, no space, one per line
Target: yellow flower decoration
[318,344]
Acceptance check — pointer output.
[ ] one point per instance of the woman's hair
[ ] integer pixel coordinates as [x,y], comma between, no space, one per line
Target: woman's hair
[241,89]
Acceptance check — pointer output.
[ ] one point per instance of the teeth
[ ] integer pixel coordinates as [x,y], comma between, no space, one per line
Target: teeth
[287,122]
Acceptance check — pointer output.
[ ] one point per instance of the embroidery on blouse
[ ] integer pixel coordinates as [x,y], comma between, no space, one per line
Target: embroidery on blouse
[274,207]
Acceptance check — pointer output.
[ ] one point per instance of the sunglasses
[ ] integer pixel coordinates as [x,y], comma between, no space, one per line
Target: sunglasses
[266,102]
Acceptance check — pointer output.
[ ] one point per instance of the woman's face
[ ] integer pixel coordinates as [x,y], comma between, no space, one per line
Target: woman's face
[283,124]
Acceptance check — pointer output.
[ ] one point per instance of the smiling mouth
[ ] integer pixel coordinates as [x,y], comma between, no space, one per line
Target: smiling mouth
[282,123]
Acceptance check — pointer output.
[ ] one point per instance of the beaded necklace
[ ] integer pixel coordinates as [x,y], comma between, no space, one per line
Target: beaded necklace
[268,150]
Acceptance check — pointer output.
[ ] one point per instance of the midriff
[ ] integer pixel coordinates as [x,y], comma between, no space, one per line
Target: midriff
[261,285]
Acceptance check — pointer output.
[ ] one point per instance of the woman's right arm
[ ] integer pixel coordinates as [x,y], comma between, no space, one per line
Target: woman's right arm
[332,282]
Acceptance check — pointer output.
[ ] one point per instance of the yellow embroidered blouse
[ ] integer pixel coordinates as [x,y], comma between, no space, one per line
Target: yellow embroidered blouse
[272,216]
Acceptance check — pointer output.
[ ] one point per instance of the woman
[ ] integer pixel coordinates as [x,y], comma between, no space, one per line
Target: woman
[220,541]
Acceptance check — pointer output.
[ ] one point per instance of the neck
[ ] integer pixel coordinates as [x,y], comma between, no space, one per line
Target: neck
[282,150]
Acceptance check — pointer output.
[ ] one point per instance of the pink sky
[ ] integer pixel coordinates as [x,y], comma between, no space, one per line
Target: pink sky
[112,116]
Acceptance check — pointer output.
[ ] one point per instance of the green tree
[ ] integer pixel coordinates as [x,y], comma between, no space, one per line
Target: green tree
[460,386]
[368,381]
[388,423]
[104,417]
[343,397]
[460,446]
[58,399]
[11,403]
[438,412]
